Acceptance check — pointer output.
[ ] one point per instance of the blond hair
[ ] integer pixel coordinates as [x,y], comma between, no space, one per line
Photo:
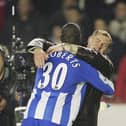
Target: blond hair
[104,33]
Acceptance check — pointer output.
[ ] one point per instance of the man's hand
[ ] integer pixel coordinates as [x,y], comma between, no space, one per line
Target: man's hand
[56,48]
[40,57]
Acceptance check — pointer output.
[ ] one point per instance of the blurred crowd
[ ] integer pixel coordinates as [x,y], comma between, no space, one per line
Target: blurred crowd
[23,20]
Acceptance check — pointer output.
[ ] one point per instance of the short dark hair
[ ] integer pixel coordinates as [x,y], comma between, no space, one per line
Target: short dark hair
[71,33]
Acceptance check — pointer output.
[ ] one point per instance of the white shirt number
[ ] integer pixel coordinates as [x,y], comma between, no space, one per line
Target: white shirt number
[58,76]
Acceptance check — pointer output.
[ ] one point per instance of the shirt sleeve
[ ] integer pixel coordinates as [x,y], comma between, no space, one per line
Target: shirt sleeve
[96,79]
[40,43]
[95,59]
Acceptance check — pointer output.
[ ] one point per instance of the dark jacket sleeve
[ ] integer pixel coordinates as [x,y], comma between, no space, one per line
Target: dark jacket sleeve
[100,62]
[40,43]
[95,59]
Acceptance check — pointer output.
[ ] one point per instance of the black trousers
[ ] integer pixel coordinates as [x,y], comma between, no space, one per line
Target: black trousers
[89,110]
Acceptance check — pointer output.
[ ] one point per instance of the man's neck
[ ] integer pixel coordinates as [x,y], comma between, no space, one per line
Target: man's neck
[71,48]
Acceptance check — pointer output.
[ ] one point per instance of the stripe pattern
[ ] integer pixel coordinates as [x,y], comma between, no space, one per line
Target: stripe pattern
[60,108]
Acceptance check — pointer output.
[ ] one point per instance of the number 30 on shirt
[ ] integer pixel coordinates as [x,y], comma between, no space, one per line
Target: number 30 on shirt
[57,78]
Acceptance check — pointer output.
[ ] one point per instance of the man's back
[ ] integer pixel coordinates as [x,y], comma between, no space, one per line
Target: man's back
[56,91]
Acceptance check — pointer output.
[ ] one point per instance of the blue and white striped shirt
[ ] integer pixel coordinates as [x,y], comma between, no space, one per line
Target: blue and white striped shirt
[57,96]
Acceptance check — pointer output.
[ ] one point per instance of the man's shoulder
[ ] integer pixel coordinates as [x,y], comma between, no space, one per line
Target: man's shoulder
[97,60]
[92,54]
[106,58]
